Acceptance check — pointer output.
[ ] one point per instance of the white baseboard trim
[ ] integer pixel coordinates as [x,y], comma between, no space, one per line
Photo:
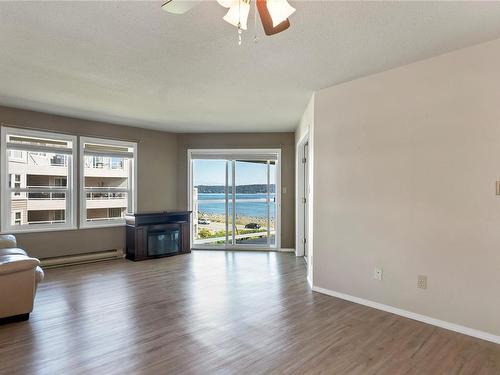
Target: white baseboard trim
[411,315]
[286,250]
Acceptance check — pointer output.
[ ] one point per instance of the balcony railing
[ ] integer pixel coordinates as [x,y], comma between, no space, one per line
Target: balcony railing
[105,196]
[46,222]
[98,162]
[59,160]
[46,196]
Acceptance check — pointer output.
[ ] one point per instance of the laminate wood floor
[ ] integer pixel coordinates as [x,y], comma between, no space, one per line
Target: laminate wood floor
[221,313]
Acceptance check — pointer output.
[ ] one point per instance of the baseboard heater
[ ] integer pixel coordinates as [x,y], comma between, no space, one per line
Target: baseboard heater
[82,258]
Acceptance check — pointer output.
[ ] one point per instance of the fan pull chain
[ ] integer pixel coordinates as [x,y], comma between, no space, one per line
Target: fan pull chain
[255,38]
[239,22]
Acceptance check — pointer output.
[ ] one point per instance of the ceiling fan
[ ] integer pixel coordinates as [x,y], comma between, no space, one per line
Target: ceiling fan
[273,13]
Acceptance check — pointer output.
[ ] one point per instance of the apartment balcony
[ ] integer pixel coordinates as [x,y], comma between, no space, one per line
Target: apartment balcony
[106,167]
[52,164]
[56,200]
[47,170]
[46,164]
[46,201]
[106,172]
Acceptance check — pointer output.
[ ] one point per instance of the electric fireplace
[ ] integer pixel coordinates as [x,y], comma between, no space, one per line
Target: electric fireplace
[157,234]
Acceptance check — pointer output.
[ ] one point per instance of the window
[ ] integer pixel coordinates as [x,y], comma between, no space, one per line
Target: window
[16,155]
[16,217]
[15,182]
[37,180]
[107,180]
[235,198]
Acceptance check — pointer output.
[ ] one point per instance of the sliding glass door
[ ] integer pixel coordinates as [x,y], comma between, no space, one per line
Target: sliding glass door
[235,198]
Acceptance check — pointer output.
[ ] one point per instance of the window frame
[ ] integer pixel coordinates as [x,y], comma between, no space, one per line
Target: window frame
[234,154]
[131,190]
[6,190]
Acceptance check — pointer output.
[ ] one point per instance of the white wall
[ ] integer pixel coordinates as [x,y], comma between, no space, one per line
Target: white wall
[405,164]
[306,121]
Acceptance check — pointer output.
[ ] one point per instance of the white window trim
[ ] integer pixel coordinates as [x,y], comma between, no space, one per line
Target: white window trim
[230,153]
[71,203]
[132,193]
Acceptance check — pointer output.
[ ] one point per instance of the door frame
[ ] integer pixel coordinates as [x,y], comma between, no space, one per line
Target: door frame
[300,194]
[245,153]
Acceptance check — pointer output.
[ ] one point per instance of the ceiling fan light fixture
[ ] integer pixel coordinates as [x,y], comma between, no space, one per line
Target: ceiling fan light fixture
[238,13]
[279,10]
[227,3]
[178,6]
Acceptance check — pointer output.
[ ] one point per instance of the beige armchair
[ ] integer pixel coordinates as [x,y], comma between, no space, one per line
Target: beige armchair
[19,277]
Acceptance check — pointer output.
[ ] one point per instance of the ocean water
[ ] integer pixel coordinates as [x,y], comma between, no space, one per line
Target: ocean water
[252,205]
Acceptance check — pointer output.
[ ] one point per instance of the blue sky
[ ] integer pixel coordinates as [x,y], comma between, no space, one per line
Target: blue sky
[213,172]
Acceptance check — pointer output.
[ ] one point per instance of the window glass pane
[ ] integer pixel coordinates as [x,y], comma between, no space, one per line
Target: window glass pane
[209,202]
[251,202]
[106,206]
[39,174]
[109,172]
[254,210]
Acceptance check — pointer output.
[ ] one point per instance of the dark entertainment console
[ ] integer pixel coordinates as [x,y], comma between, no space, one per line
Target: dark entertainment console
[157,234]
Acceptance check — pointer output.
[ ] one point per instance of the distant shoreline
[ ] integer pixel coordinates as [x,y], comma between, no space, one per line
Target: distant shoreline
[240,189]
[242,220]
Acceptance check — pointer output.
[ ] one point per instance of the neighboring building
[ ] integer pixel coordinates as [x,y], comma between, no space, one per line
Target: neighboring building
[47,170]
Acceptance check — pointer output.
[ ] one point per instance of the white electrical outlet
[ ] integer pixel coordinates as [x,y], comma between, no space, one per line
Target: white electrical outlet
[422,282]
[377,273]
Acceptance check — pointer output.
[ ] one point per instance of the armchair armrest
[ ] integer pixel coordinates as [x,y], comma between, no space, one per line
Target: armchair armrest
[7,240]
[17,263]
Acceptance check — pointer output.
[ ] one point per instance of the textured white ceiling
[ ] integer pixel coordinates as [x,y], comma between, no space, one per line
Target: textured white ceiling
[131,63]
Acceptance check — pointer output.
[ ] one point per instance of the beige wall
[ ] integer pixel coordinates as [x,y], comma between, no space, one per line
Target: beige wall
[405,169]
[157,180]
[162,159]
[285,141]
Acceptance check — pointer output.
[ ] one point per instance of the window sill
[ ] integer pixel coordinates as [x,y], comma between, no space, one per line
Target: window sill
[38,230]
[60,229]
[108,225]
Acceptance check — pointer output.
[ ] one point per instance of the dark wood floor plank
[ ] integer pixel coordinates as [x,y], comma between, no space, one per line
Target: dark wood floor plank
[221,313]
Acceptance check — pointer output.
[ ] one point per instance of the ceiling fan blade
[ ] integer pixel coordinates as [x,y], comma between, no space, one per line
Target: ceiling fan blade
[267,21]
[179,6]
